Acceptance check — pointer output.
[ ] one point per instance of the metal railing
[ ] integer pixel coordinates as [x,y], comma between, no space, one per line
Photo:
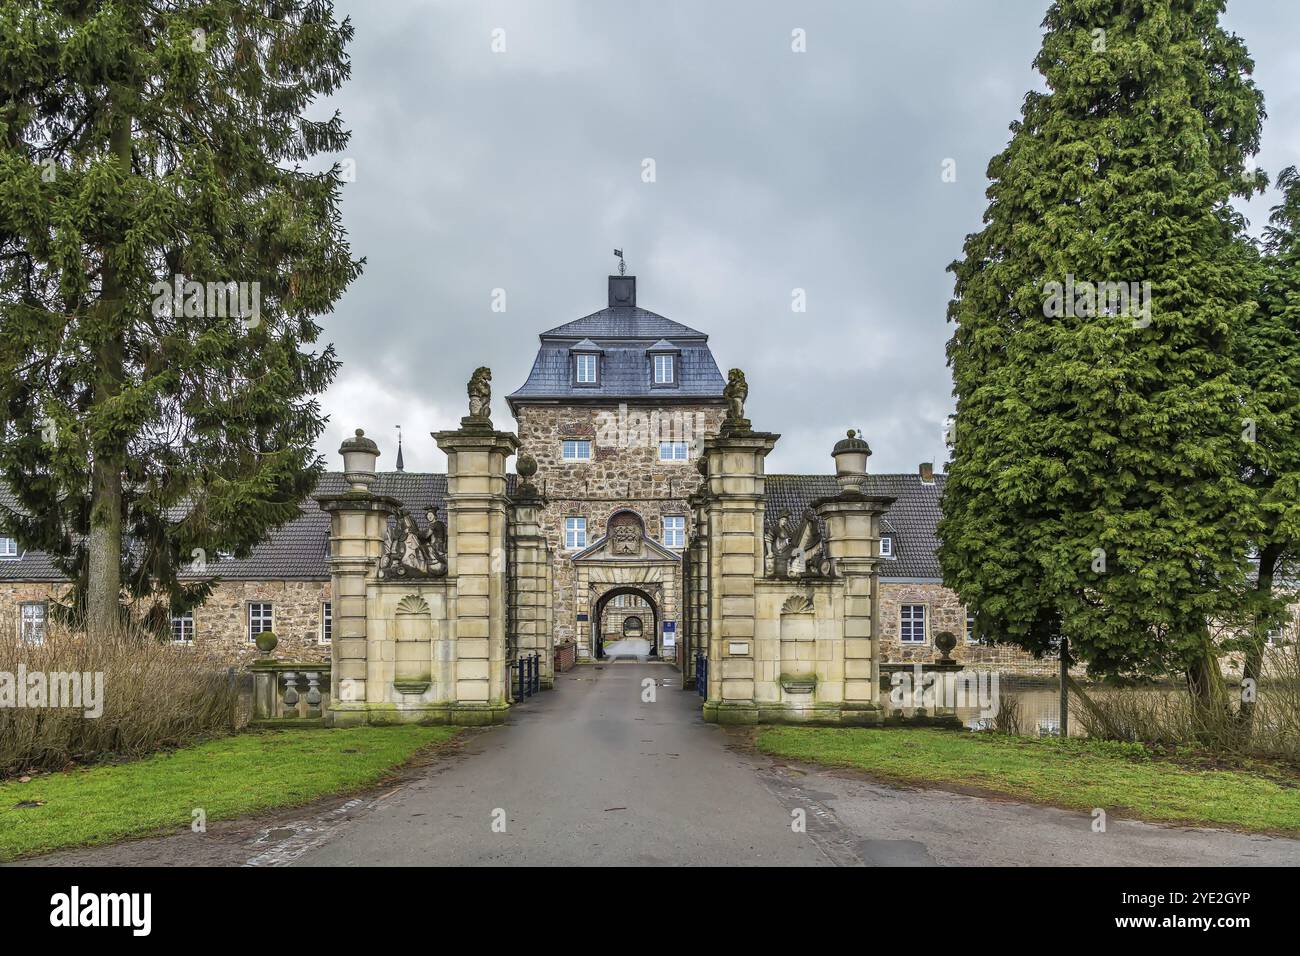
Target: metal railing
[701,675]
[526,676]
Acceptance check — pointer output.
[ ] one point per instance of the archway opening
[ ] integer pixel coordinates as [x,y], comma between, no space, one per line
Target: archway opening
[626,624]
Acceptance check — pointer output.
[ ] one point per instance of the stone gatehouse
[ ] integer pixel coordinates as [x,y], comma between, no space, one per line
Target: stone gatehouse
[617,422]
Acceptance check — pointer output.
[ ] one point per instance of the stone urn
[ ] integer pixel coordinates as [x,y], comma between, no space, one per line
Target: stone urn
[266,642]
[851,454]
[359,455]
[945,641]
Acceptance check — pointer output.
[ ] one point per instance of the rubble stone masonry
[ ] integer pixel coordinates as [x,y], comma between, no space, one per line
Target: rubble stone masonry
[625,471]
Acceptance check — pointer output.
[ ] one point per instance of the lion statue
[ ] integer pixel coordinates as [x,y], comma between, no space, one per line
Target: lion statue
[480,392]
[736,391]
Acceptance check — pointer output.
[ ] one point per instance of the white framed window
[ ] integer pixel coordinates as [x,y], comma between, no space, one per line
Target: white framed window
[575,533]
[887,547]
[31,621]
[674,450]
[664,370]
[584,368]
[261,617]
[674,531]
[8,547]
[911,624]
[620,600]
[576,449]
[326,622]
[971,638]
[183,628]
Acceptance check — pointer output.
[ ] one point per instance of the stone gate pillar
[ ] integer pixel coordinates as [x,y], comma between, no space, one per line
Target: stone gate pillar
[734,521]
[530,572]
[357,522]
[477,507]
[852,521]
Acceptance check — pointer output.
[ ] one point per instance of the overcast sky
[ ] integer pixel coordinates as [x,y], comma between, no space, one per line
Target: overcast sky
[774,170]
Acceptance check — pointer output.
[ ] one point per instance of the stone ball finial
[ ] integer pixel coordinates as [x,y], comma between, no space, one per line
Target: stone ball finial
[526,466]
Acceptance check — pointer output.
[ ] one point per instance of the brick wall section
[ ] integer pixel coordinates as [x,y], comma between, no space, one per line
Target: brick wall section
[625,472]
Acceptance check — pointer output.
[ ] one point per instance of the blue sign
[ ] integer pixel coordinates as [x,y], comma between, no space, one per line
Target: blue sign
[670,627]
[582,617]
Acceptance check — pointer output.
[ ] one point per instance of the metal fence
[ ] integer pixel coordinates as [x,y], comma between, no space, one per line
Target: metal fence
[526,676]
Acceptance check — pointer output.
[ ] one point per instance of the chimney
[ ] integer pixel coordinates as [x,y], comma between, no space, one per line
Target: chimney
[927,472]
[622,292]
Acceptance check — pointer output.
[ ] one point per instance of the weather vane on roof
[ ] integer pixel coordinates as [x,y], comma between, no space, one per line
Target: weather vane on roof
[622,266]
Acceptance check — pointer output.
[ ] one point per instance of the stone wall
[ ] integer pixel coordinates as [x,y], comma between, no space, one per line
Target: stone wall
[945,612]
[13,596]
[625,472]
[221,622]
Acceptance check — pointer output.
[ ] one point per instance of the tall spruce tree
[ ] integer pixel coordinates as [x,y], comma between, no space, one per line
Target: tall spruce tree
[1269,365]
[162,258]
[1094,492]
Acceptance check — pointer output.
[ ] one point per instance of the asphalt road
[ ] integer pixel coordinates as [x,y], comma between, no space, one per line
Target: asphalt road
[592,774]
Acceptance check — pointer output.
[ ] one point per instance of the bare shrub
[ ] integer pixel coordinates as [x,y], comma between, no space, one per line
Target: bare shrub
[155,696]
[1168,719]
[1007,719]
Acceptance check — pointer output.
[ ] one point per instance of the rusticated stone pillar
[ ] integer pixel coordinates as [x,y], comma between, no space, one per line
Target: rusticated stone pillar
[734,521]
[852,521]
[357,522]
[477,507]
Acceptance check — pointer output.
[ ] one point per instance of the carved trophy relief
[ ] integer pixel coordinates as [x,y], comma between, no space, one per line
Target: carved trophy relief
[409,552]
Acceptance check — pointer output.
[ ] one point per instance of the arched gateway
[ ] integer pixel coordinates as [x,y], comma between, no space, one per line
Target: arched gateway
[639,477]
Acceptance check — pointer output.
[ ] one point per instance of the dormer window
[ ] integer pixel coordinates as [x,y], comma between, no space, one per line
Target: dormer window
[8,548]
[663,364]
[586,363]
[887,547]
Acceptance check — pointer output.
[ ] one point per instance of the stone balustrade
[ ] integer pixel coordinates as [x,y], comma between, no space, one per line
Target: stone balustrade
[288,692]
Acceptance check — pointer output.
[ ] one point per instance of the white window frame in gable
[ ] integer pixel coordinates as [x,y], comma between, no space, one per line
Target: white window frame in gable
[668,365]
[179,623]
[575,532]
[887,547]
[674,451]
[33,635]
[674,536]
[580,362]
[907,623]
[326,635]
[8,548]
[579,444]
[266,622]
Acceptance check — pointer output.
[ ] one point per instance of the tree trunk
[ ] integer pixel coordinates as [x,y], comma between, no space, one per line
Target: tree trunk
[104,542]
[1253,664]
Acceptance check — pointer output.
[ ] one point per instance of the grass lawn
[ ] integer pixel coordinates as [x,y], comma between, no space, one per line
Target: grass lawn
[225,778]
[1122,779]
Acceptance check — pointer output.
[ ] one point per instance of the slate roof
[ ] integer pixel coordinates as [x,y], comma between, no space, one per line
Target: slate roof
[297,550]
[911,519]
[625,335]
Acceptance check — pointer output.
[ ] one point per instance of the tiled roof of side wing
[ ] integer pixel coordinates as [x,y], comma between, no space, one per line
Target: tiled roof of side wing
[294,551]
[912,517]
[297,550]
